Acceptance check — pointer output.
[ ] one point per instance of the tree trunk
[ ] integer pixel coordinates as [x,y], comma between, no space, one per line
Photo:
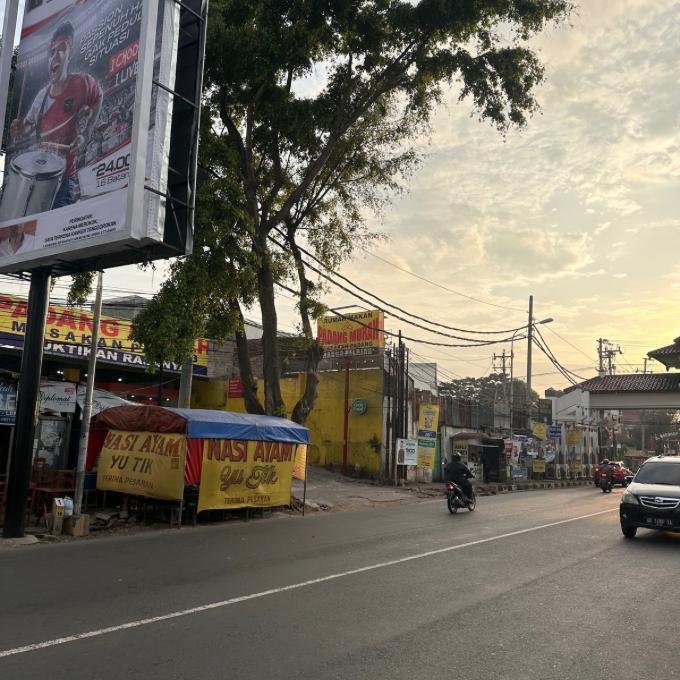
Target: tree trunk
[252,403]
[314,349]
[306,402]
[273,401]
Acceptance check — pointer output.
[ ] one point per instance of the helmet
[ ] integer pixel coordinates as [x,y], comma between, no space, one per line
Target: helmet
[605,461]
[455,456]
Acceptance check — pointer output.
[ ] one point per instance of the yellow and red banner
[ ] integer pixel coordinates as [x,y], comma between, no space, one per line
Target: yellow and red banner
[143,464]
[243,474]
[352,334]
[68,332]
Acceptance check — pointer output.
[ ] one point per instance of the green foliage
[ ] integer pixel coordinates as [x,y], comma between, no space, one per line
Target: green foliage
[311,110]
[487,389]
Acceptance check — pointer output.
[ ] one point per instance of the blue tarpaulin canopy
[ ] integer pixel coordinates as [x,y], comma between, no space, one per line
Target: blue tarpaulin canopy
[205,424]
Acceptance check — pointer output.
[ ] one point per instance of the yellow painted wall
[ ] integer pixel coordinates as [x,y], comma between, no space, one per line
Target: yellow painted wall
[326,420]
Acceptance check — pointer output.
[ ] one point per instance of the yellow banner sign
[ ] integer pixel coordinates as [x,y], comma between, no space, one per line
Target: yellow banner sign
[68,331]
[300,462]
[143,464]
[540,431]
[428,424]
[242,474]
[575,465]
[355,333]
[573,437]
[538,465]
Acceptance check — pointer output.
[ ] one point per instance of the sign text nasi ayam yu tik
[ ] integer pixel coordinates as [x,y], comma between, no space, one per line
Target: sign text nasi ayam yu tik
[237,474]
[143,463]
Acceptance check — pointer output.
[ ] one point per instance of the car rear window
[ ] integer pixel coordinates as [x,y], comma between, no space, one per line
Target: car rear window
[659,473]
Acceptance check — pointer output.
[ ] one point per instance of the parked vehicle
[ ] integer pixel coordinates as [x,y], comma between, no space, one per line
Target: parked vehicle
[456,499]
[620,473]
[652,500]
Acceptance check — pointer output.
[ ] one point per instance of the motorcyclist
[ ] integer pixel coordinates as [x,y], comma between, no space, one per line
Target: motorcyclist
[607,468]
[460,474]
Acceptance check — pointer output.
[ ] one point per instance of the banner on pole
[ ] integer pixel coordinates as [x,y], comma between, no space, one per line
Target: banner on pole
[428,424]
[143,464]
[242,474]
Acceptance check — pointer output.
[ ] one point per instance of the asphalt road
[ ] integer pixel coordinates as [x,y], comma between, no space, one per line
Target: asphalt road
[513,590]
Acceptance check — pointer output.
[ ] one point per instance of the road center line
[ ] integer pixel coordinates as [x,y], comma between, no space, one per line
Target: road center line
[294,586]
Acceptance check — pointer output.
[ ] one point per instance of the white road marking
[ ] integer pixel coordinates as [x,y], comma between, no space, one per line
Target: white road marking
[274,591]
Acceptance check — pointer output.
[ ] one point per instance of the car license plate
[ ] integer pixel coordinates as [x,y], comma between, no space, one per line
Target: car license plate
[658,521]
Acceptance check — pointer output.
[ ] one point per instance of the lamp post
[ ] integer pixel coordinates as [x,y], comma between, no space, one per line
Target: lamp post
[512,363]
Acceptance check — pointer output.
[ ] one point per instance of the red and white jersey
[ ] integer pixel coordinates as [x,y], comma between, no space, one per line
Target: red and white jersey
[56,118]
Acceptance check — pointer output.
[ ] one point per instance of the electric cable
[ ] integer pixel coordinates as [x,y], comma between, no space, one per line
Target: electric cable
[381,300]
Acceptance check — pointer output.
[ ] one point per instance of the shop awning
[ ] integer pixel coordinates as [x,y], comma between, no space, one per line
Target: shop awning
[203,423]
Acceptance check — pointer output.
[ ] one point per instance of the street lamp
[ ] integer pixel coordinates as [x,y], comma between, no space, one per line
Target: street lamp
[512,361]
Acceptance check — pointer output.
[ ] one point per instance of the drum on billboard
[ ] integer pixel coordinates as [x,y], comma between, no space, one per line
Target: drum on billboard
[32,183]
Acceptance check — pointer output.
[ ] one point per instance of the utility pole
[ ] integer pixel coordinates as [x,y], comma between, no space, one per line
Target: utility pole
[530,342]
[89,392]
[606,353]
[185,380]
[21,460]
[345,426]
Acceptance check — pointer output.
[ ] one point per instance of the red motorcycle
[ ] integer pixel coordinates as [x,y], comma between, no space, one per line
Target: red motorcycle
[604,481]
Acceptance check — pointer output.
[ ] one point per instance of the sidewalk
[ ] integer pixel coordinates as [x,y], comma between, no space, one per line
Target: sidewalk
[332,491]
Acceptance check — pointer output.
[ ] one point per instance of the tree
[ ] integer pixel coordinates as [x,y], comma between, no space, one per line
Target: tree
[490,389]
[312,107]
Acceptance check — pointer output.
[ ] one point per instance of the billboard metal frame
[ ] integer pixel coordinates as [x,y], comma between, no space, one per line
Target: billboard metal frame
[175,196]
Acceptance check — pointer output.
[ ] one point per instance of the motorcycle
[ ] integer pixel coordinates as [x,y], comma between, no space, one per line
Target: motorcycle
[604,482]
[455,498]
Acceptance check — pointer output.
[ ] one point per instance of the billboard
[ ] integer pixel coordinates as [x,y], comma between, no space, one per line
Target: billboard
[68,333]
[88,141]
[355,334]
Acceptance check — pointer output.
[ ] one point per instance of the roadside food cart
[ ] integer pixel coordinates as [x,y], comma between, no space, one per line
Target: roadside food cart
[234,460]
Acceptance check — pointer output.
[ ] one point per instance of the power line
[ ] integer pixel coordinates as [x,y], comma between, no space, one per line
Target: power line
[472,342]
[385,302]
[578,349]
[439,285]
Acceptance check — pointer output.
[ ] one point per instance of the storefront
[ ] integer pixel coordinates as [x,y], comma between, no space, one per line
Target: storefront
[232,460]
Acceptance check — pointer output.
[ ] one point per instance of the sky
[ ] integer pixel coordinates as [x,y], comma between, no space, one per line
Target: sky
[579,209]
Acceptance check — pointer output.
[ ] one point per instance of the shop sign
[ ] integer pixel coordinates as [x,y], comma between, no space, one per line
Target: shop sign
[354,334]
[540,431]
[538,465]
[242,474]
[575,465]
[143,464]
[68,333]
[519,473]
[360,407]
[407,452]
[58,397]
[8,402]
[573,437]
[555,432]
[235,388]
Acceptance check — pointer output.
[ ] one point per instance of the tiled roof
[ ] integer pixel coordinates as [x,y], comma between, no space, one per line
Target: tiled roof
[665,351]
[639,382]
